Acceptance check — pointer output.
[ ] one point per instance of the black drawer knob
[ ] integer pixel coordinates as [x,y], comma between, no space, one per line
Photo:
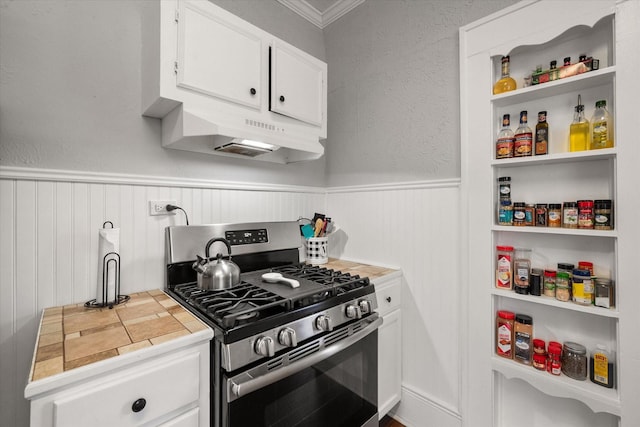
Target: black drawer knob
[139,405]
[253,91]
[388,299]
[281,98]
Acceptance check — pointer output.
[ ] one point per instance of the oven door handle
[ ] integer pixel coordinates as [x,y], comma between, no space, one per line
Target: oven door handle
[243,384]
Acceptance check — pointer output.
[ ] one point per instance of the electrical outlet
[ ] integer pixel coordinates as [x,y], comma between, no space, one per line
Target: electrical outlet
[159,207]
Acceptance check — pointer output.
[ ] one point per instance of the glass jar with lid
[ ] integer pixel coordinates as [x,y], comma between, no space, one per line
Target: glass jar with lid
[574,360]
[562,286]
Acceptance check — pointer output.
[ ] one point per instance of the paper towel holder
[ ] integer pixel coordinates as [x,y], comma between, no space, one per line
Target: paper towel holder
[110,259]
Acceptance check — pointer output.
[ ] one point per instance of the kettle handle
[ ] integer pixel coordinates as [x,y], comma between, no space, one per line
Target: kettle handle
[217,239]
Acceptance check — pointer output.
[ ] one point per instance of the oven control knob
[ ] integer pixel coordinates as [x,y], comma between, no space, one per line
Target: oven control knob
[287,337]
[354,312]
[323,322]
[264,346]
[365,306]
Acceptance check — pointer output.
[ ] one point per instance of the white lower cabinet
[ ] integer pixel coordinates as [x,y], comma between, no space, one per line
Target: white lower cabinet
[167,390]
[389,296]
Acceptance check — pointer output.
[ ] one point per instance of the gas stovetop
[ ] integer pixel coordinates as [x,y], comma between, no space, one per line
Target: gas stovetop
[254,305]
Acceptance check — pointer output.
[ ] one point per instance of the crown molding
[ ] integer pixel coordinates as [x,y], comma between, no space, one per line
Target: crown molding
[317,18]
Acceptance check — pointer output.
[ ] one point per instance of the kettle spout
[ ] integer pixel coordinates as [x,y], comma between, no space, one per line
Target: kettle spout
[199,265]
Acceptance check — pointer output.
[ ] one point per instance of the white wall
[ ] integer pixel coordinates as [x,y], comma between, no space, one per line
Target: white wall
[393,90]
[413,226]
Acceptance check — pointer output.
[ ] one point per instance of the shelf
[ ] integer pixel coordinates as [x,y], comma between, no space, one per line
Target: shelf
[549,301]
[577,156]
[558,87]
[551,230]
[597,398]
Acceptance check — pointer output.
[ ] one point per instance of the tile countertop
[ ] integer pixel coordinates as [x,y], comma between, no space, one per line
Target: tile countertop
[364,270]
[73,336]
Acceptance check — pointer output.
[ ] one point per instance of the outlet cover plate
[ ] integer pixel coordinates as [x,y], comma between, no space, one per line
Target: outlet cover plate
[159,207]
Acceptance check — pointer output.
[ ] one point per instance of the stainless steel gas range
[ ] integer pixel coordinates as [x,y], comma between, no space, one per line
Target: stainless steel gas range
[282,356]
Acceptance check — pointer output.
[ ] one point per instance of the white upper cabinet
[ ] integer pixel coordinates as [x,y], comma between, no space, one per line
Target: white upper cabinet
[218,58]
[297,84]
[220,84]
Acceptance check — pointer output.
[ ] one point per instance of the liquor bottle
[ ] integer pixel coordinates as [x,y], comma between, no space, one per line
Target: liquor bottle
[505,141]
[542,134]
[506,83]
[601,127]
[579,129]
[523,138]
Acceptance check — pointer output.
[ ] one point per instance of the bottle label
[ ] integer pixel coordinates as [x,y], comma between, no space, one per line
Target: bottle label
[600,134]
[582,291]
[504,148]
[505,216]
[504,340]
[542,138]
[523,144]
[570,216]
[601,368]
[522,347]
[503,273]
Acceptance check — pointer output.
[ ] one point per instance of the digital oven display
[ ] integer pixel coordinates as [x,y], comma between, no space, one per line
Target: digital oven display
[246,237]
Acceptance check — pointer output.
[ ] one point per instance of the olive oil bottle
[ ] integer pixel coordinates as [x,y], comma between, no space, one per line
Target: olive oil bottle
[601,127]
[579,130]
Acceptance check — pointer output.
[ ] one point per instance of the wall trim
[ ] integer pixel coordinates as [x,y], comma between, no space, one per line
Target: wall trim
[317,18]
[410,185]
[61,175]
[37,174]
[415,407]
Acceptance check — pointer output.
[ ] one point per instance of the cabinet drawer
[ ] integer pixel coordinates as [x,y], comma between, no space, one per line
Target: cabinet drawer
[389,296]
[112,403]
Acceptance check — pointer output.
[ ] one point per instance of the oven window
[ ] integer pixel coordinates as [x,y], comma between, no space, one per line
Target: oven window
[339,391]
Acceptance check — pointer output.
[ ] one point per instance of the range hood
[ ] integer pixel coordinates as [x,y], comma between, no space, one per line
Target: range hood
[199,131]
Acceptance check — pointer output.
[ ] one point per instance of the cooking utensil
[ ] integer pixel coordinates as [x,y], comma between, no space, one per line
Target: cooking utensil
[279,278]
[216,273]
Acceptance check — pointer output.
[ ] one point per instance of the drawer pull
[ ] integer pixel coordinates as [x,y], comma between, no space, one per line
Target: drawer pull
[139,405]
[388,299]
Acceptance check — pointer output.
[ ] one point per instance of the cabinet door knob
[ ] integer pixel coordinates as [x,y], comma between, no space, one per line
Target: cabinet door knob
[253,91]
[388,299]
[139,405]
[281,98]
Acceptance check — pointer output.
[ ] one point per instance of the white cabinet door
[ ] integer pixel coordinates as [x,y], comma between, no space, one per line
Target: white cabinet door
[188,419]
[218,58]
[389,363]
[297,84]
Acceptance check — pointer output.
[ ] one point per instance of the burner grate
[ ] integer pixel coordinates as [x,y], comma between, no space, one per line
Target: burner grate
[243,303]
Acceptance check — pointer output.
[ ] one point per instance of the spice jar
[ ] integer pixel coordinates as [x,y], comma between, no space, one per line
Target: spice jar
[519,214]
[554,215]
[522,349]
[605,295]
[529,214]
[566,267]
[504,267]
[585,214]
[586,265]
[570,215]
[601,366]
[562,286]
[505,213]
[539,346]
[602,218]
[582,287]
[504,333]
[554,360]
[541,215]
[574,361]
[549,283]
[521,270]
[540,361]
[535,288]
[504,188]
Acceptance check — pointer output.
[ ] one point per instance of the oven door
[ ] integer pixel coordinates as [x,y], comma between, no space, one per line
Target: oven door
[330,381]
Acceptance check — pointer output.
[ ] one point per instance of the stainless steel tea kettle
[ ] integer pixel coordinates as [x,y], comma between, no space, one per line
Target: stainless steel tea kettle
[216,273]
